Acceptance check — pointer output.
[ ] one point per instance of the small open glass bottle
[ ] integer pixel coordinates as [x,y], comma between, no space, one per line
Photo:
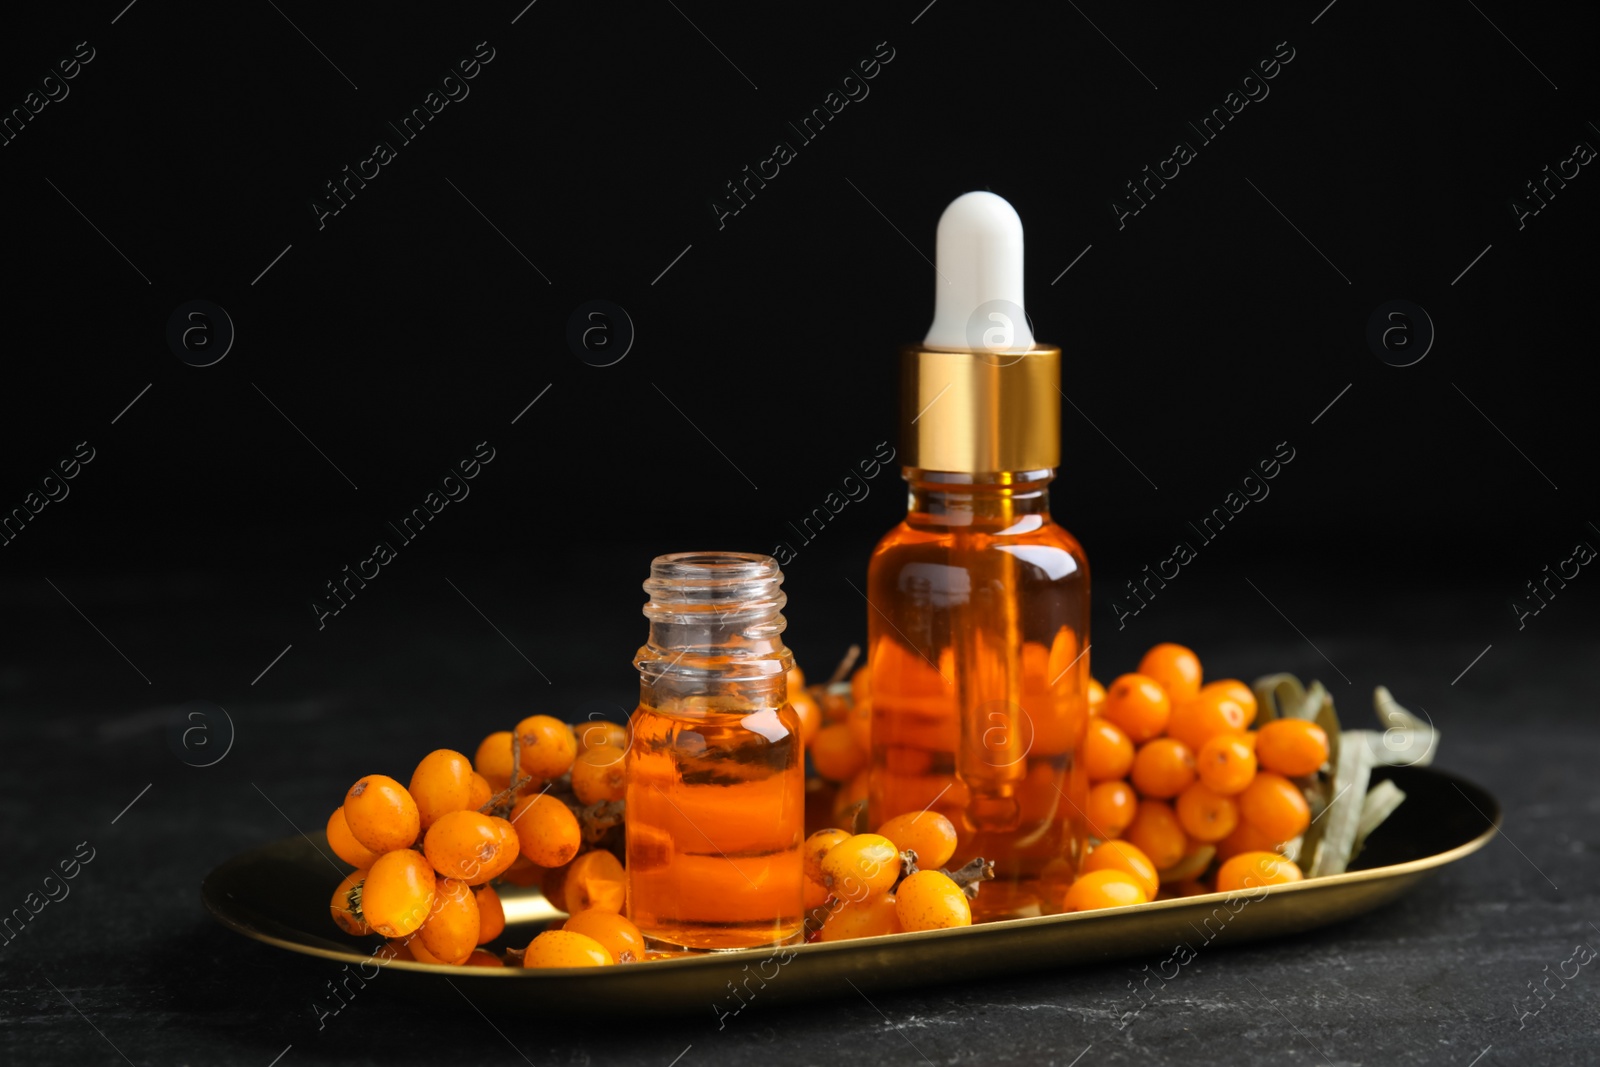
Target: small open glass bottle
[716,771]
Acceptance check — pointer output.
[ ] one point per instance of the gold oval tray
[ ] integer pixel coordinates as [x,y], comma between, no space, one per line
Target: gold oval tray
[278,893]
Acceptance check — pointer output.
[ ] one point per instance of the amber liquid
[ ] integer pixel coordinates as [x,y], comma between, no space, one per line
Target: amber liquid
[716,816]
[979,667]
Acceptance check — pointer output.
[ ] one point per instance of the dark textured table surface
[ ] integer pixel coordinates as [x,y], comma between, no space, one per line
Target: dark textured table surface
[129,967]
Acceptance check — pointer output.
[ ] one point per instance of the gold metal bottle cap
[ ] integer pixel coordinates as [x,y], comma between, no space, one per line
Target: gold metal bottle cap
[980,412]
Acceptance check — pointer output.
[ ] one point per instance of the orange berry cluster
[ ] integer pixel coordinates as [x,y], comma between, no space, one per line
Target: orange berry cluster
[1178,777]
[536,804]
[863,885]
[1184,798]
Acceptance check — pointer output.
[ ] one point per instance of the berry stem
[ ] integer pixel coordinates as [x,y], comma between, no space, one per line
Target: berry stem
[908,867]
[842,671]
[500,804]
[972,875]
[596,819]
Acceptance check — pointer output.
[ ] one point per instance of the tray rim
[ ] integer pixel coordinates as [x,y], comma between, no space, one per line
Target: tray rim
[715,959]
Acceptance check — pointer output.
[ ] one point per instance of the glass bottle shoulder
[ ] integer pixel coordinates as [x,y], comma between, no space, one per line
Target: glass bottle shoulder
[1034,538]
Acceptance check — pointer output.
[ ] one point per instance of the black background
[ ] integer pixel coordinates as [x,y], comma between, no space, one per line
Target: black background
[378,350]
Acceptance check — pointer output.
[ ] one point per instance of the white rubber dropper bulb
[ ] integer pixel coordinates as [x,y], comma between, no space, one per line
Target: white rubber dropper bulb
[978,289]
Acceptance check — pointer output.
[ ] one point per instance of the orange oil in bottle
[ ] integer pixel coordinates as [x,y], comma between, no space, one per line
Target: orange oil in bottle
[979,673]
[716,770]
[703,872]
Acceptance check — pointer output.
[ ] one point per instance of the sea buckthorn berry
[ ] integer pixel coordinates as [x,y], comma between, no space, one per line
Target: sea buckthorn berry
[931,900]
[835,703]
[564,948]
[1236,691]
[509,855]
[1175,668]
[343,905]
[1111,808]
[808,711]
[441,783]
[600,774]
[595,882]
[864,918]
[344,843]
[1104,889]
[615,934]
[1127,858]
[1107,753]
[1138,706]
[1204,815]
[482,792]
[1245,838]
[927,833]
[493,760]
[491,914]
[1163,768]
[1275,806]
[1292,747]
[381,814]
[483,958]
[548,746]
[599,732]
[835,754]
[451,930]
[547,829]
[1156,832]
[413,948]
[1198,720]
[817,846]
[862,866]
[1226,763]
[468,845]
[1249,870]
[1097,696]
[397,894]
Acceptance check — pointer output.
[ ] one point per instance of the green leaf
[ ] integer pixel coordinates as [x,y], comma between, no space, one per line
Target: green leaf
[1382,800]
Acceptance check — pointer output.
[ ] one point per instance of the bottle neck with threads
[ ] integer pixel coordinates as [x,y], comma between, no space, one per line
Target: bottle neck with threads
[716,635]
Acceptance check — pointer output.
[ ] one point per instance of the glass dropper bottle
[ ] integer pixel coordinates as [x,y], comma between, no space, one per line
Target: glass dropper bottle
[978,625]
